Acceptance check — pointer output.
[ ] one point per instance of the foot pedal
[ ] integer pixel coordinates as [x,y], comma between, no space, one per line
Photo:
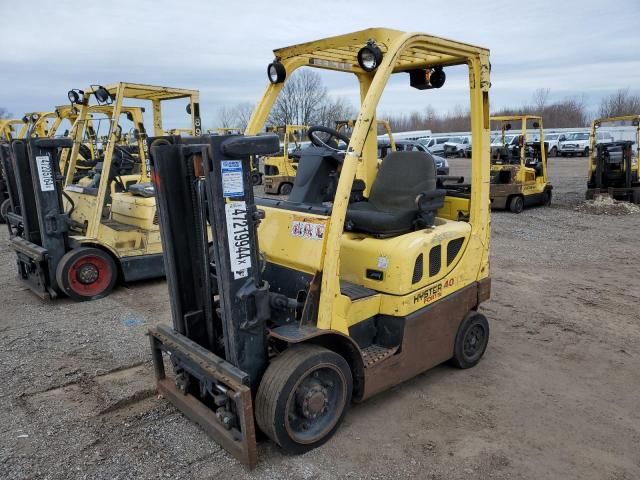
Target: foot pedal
[376,353]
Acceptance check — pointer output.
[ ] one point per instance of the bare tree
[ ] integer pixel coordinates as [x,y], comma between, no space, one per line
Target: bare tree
[541,98]
[620,103]
[299,99]
[333,110]
[226,117]
[304,101]
[4,113]
[243,113]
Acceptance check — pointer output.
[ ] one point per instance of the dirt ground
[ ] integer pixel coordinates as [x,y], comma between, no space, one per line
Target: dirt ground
[555,397]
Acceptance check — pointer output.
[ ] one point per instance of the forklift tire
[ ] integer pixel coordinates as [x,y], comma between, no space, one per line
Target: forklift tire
[86,273]
[303,397]
[547,198]
[285,189]
[471,340]
[5,208]
[516,204]
[635,196]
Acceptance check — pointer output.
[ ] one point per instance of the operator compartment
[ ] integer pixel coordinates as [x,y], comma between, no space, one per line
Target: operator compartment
[136,207]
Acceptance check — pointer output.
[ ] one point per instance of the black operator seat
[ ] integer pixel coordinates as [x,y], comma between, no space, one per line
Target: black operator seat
[403,197]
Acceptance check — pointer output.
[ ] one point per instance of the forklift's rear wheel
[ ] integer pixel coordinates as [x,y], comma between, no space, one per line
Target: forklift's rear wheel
[4,209]
[303,396]
[86,274]
[285,189]
[516,204]
[256,178]
[547,198]
[471,340]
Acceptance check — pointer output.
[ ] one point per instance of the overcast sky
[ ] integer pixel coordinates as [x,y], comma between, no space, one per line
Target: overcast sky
[576,48]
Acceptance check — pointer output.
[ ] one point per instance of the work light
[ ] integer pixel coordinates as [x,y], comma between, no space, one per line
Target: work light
[437,77]
[276,72]
[369,56]
[102,94]
[75,96]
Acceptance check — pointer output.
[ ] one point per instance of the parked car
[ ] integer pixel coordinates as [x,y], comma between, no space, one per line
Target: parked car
[384,148]
[434,144]
[576,143]
[458,147]
[554,139]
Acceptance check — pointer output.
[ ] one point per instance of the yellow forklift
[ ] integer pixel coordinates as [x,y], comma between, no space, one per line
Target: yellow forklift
[364,277]
[280,169]
[79,237]
[10,128]
[613,166]
[48,125]
[519,176]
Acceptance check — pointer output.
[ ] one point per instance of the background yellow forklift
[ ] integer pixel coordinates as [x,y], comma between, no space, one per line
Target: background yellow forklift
[79,237]
[10,128]
[519,176]
[280,169]
[613,166]
[362,278]
[61,122]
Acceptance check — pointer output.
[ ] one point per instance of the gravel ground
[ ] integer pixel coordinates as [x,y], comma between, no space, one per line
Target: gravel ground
[556,395]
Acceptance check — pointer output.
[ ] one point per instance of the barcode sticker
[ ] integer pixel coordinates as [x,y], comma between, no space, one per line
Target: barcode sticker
[45,174]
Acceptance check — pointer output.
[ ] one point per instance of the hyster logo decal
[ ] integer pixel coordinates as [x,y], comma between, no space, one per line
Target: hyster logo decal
[428,294]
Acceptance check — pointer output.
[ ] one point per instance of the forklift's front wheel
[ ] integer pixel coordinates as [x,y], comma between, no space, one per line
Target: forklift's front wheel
[86,273]
[303,397]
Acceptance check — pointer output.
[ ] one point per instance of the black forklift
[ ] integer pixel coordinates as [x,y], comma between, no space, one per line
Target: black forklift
[614,169]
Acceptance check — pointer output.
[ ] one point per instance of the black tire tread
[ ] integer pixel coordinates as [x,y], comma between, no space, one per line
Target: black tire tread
[278,374]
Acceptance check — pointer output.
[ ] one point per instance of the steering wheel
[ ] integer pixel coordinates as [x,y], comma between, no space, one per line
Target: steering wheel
[318,142]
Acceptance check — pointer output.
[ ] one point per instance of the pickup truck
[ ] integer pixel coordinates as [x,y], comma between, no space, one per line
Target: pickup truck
[458,147]
[554,139]
[576,143]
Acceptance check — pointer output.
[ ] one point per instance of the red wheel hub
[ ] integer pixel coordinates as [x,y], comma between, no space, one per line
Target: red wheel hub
[90,275]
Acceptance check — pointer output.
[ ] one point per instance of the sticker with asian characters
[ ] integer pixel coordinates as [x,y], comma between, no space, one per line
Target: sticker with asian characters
[310,229]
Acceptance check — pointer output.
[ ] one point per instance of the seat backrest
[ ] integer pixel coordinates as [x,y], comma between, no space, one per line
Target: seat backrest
[402,176]
[315,176]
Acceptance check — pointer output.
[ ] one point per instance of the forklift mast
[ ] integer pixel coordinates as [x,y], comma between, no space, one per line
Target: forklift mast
[228,331]
[44,223]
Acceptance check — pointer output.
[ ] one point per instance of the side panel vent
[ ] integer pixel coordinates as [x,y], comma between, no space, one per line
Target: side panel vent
[453,247]
[417,269]
[155,217]
[435,256]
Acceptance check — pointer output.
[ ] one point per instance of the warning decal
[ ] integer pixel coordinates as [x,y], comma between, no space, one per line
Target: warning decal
[308,228]
[232,184]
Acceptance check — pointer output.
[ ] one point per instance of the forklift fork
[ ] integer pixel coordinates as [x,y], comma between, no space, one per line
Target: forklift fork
[220,375]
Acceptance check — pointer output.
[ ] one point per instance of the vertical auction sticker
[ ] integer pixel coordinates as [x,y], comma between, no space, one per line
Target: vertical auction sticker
[232,184]
[238,238]
[44,173]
